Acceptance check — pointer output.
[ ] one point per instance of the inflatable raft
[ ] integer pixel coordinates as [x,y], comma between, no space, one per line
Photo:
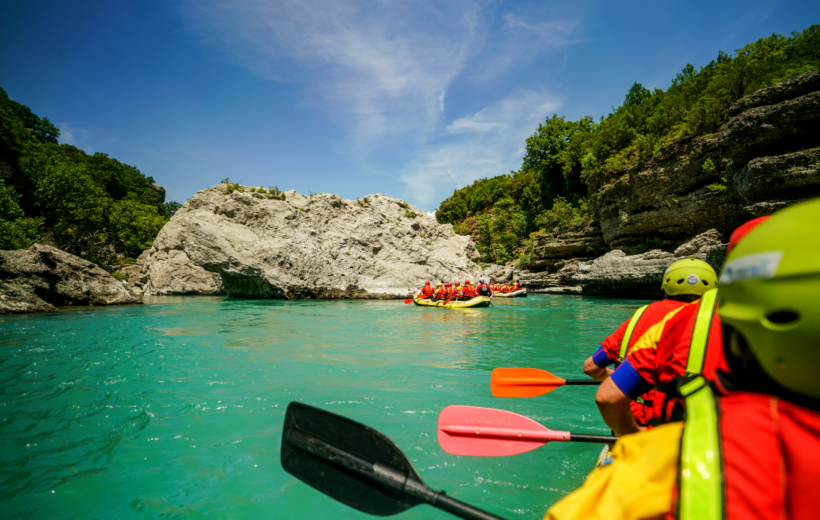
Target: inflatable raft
[478,301]
[520,293]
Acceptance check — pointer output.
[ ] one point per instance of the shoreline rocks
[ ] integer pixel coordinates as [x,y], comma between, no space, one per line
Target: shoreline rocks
[42,278]
[617,274]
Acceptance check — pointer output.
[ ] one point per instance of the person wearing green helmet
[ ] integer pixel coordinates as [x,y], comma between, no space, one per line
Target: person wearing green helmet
[615,348]
[748,445]
[439,294]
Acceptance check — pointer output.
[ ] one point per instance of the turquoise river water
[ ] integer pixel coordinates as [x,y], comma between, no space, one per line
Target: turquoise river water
[174,409]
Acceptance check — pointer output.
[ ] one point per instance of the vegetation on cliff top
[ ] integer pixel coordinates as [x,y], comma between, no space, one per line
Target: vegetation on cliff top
[568,162]
[90,205]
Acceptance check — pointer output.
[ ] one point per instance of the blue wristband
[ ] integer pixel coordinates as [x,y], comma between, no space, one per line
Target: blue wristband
[629,381]
[601,359]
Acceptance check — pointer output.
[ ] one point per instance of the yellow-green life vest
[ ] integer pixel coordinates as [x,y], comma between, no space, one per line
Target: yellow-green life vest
[628,334]
[700,471]
[700,333]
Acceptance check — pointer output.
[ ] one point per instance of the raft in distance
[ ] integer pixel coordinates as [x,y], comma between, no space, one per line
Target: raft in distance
[478,301]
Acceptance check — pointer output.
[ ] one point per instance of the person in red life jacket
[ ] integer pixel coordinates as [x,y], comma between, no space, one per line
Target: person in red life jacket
[506,287]
[630,380]
[439,291]
[459,290]
[449,291]
[748,445]
[615,348]
[686,340]
[469,290]
[427,291]
[482,289]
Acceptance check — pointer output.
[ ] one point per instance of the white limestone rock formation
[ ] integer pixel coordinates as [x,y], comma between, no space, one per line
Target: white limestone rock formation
[248,245]
[42,278]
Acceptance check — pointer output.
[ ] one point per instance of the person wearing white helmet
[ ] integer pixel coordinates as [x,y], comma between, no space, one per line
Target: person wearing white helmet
[483,289]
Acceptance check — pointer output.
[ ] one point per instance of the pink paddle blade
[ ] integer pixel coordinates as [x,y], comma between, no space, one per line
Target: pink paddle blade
[486,432]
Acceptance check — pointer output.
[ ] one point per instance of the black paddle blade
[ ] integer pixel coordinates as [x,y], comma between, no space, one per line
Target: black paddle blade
[347,461]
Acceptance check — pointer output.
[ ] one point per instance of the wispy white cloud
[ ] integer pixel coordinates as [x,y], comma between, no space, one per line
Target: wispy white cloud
[554,32]
[378,66]
[381,70]
[484,144]
[77,136]
[73,135]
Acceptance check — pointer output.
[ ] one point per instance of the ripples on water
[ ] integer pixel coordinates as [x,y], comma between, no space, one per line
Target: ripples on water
[174,409]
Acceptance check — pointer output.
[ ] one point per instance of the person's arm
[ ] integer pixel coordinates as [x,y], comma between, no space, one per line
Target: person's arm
[614,395]
[596,365]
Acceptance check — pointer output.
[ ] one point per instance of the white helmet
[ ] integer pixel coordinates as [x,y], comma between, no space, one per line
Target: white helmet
[481,279]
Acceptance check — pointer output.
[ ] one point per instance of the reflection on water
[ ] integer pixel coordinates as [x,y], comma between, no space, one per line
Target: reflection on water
[174,408]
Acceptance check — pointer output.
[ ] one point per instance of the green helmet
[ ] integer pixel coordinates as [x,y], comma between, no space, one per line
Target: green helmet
[770,293]
[688,276]
[439,284]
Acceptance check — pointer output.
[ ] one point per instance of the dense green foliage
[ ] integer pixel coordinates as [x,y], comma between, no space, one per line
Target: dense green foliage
[568,162]
[90,205]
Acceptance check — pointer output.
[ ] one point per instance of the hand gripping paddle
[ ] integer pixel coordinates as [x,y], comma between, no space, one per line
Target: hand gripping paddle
[486,432]
[529,382]
[357,465]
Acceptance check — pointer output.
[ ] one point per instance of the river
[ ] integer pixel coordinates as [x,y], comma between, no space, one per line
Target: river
[174,409]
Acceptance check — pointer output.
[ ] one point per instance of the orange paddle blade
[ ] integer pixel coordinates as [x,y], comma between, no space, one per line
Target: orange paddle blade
[523,382]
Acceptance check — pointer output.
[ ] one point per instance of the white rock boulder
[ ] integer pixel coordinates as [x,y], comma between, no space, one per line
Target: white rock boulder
[248,245]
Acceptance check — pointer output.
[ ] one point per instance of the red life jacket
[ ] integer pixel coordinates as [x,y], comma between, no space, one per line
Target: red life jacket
[427,290]
[469,291]
[661,362]
[506,287]
[613,345]
[769,457]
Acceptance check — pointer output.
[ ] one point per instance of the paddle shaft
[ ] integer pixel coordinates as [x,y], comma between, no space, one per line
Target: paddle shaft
[540,381]
[602,439]
[515,434]
[386,476]
[581,382]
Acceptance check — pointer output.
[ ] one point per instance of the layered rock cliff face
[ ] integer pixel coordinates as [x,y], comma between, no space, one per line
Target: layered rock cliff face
[42,278]
[247,245]
[618,275]
[765,158]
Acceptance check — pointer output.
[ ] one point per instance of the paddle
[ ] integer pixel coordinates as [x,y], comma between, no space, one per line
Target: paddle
[485,432]
[529,382]
[357,465]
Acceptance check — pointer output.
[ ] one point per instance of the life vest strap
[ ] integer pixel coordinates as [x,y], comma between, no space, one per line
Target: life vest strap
[628,334]
[700,469]
[700,332]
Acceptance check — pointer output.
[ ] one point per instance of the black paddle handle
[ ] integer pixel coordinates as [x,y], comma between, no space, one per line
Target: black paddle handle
[462,510]
[581,382]
[602,439]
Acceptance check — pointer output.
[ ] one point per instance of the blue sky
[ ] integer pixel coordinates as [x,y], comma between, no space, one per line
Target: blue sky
[408,98]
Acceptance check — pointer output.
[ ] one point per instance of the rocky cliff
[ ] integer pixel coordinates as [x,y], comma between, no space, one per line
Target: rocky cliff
[765,158]
[41,278]
[247,245]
